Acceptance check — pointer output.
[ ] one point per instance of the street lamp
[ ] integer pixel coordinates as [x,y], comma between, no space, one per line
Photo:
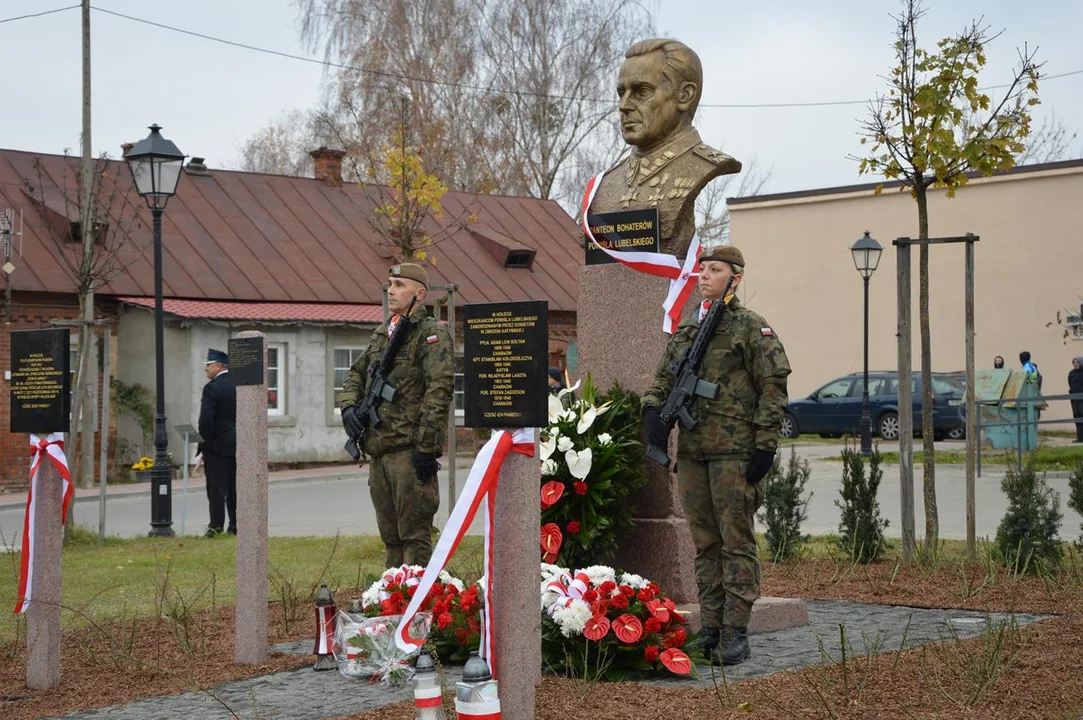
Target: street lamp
[155,164]
[866,252]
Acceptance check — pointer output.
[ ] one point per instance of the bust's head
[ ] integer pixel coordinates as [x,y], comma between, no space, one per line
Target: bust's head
[659,87]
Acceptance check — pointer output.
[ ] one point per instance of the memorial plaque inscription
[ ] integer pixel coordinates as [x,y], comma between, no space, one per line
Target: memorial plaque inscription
[246,361]
[40,381]
[506,350]
[631,230]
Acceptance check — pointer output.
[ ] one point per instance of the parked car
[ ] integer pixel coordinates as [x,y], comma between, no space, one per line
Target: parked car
[835,408]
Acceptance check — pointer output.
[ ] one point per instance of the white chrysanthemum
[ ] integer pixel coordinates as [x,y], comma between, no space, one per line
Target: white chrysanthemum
[547,447]
[565,444]
[599,574]
[605,439]
[549,467]
[572,619]
[633,581]
[579,463]
[448,579]
[372,595]
[549,572]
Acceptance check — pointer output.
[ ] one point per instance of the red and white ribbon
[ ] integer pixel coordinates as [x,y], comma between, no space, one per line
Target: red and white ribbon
[682,277]
[567,589]
[325,629]
[40,448]
[481,485]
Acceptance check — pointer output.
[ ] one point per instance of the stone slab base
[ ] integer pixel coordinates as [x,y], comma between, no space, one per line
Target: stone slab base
[768,614]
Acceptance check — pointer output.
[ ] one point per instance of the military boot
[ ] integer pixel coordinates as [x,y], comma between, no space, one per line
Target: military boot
[706,641]
[733,648]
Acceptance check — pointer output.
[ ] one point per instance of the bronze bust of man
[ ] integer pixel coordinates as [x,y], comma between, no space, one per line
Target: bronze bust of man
[660,85]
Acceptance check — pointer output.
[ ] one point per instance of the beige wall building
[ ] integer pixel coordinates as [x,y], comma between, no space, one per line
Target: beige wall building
[1028,266]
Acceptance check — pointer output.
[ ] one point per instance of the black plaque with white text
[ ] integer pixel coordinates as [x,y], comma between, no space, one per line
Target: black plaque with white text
[625,231]
[246,361]
[506,357]
[40,381]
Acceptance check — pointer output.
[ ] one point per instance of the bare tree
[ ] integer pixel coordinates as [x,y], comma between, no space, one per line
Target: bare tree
[113,221]
[1050,142]
[282,147]
[712,214]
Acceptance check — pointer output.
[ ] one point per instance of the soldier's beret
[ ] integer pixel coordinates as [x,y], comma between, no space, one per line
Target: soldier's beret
[723,253]
[411,271]
[216,356]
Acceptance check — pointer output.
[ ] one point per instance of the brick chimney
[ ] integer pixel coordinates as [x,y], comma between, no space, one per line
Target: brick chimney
[328,165]
[125,147]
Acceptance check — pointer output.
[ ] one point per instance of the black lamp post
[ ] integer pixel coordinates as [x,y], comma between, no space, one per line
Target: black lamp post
[866,252]
[155,164]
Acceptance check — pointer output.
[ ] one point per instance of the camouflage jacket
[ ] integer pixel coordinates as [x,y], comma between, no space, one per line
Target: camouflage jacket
[747,360]
[423,375]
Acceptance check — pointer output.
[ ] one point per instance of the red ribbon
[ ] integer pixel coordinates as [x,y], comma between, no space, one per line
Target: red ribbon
[40,448]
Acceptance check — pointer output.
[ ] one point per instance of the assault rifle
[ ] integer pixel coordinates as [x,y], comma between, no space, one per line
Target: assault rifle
[379,389]
[687,386]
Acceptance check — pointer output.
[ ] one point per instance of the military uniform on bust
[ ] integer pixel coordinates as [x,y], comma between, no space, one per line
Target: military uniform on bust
[404,447]
[721,462]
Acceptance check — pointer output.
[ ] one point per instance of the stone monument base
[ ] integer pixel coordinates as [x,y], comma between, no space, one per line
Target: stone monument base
[768,614]
[661,551]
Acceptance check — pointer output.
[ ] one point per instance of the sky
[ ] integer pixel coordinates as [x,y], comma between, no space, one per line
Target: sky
[209,97]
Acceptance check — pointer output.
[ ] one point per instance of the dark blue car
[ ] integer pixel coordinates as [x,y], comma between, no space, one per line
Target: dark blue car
[835,409]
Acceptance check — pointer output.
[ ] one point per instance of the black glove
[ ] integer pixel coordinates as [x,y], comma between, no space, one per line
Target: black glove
[759,464]
[657,432]
[426,466]
[351,421]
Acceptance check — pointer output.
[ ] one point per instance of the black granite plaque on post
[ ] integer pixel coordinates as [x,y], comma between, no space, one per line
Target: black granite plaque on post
[631,230]
[246,361]
[40,381]
[506,356]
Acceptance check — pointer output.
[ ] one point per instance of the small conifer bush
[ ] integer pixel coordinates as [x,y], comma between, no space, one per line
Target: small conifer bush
[784,509]
[861,529]
[1026,539]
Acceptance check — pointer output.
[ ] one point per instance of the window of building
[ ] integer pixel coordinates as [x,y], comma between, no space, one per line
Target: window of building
[344,358]
[276,379]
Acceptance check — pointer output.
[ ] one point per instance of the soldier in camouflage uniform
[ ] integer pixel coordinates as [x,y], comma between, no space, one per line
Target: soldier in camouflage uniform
[410,437]
[721,462]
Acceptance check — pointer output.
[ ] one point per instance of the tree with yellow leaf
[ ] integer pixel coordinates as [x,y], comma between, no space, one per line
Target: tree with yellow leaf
[934,129]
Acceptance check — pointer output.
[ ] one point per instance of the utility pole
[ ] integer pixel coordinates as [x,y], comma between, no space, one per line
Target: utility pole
[86,406]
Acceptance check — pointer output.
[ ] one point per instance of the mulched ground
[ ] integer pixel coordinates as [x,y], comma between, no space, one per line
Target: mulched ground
[1037,672]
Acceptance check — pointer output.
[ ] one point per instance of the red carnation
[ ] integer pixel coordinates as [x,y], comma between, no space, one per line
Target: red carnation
[573,527]
[679,637]
[580,487]
[646,595]
[410,591]
[620,602]
[590,596]
[607,587]
[650,653]
[627,591]
[653,625]
[443,620]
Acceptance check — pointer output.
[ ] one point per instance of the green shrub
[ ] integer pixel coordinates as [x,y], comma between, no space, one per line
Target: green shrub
[861,530]
[1027,536]
[1075,497]
[784,509]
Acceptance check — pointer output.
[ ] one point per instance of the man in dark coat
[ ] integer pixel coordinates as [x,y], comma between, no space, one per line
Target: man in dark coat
[1075,386]
[218,428]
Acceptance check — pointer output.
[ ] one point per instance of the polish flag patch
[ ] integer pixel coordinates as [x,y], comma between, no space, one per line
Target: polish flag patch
[432,338]
[765,331]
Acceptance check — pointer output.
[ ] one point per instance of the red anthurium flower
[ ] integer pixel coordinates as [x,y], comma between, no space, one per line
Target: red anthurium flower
[550,493]
[580,487]
[655,608]
[573,527]
[676,661]
[596,628]
[628,628]
[549,558]
[551,538]
[650,653]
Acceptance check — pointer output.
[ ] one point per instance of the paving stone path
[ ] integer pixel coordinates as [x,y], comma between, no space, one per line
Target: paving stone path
[307,695]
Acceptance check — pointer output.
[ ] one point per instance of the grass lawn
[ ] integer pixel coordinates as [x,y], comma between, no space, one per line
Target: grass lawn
[1044,458]
[145,577]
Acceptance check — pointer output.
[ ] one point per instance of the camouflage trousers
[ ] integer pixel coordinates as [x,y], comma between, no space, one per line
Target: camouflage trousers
[721,505]
[404,509]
